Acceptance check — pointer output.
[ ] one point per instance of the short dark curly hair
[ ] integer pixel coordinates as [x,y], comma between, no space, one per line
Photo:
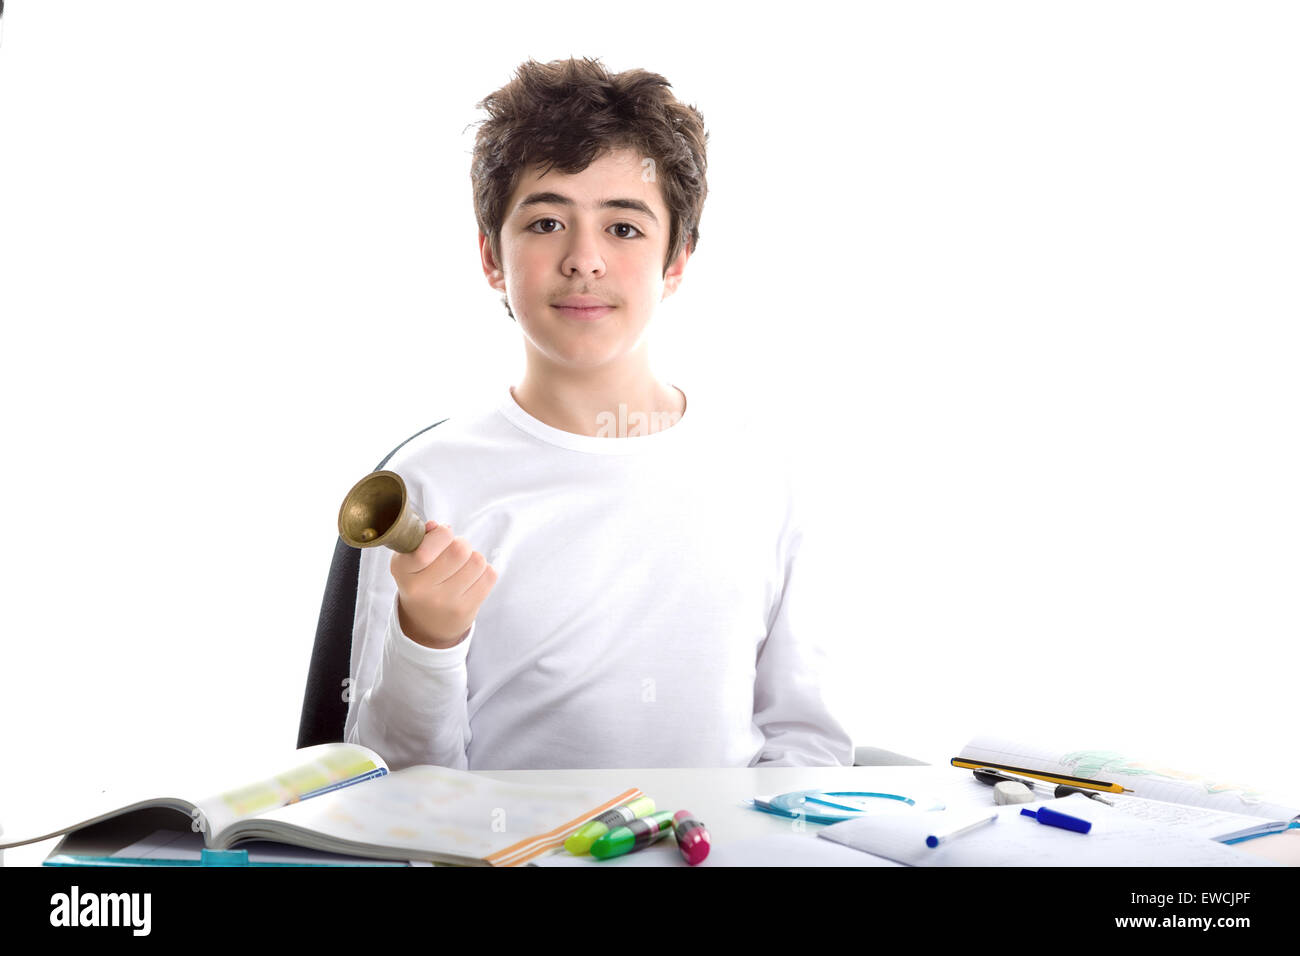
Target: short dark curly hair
[568,113]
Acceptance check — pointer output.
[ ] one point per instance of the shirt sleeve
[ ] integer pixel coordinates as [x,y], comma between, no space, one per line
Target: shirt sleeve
[798,727]
[408,702]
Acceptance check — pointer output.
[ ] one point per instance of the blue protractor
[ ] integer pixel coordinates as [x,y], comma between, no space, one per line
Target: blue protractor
[835,806]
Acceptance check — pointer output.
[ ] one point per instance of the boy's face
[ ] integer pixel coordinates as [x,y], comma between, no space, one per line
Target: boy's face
[563,244]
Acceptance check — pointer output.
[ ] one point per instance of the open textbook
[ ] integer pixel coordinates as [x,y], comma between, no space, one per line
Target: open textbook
[342,799]
[1218,808]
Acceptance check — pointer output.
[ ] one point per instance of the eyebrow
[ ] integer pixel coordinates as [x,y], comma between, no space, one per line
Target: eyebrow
[556,199]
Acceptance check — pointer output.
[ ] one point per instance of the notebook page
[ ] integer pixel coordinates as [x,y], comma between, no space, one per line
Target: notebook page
[1145,778]
[1116,839]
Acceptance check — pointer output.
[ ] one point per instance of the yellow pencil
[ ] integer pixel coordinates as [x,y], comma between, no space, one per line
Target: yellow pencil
[1039,775]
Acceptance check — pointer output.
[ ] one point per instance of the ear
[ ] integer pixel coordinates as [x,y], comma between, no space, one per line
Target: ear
[495,274]
[673,277]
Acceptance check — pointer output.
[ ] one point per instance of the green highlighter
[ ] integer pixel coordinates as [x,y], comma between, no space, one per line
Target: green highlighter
[580,841]
[633,835]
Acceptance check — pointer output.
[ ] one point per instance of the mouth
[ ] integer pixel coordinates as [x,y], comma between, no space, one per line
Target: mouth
[582,308]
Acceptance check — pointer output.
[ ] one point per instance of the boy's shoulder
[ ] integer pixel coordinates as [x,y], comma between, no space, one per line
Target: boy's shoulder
[458,430]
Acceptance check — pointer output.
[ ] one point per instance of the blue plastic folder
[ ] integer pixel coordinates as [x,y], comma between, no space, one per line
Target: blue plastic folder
[105,846]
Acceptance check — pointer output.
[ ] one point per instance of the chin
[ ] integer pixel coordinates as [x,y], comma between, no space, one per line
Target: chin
[572,352]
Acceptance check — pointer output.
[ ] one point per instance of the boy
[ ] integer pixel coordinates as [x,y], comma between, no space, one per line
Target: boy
[638,602]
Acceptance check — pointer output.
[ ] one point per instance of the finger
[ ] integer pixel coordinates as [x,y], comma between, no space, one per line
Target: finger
[454,557]
[459,582]
[480,589]
[436,540]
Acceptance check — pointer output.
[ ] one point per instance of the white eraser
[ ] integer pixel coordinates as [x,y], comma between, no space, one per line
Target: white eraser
[1008,791]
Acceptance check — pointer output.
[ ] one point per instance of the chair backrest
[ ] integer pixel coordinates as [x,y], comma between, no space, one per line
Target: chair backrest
[325,702]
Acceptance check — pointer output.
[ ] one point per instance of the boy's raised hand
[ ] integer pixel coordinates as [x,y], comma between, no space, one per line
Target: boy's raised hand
[440,587]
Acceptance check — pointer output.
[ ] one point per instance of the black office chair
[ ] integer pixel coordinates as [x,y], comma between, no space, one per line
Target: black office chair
[324,710]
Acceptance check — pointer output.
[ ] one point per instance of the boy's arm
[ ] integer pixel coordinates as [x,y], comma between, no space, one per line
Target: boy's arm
[800,730]
[415,711]
[407,701]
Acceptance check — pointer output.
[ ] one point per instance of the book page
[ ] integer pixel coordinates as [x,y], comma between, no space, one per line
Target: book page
[1145,778]
[304,775]
[436,813]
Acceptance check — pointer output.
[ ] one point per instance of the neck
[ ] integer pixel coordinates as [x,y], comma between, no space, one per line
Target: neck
[606,403]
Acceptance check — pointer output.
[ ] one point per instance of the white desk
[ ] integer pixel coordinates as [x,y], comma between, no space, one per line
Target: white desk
[715,796]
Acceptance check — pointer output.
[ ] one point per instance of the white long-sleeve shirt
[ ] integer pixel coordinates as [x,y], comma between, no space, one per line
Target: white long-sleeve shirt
[646,612]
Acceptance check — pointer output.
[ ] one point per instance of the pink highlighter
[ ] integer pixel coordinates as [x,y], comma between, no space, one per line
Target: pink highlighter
[692,838]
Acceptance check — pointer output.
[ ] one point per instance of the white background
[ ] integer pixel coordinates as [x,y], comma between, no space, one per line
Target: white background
[1017,281]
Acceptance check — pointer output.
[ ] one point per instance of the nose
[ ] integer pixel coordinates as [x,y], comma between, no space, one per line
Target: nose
[583,257]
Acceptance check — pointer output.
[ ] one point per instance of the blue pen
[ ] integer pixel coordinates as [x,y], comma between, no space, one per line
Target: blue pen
[1054,818]
[934,839]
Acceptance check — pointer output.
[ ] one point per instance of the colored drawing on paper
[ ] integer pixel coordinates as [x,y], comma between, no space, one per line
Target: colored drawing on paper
[1096,763]
[1109,763]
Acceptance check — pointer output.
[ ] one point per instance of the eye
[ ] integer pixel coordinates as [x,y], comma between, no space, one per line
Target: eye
[632,233]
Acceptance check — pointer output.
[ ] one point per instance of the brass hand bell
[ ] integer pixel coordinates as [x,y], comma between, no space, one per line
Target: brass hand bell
[377,512]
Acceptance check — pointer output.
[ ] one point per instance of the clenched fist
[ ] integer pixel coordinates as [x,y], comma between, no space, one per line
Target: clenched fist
[440,587]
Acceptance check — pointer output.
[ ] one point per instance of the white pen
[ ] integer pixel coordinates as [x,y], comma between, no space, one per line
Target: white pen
[933,840]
